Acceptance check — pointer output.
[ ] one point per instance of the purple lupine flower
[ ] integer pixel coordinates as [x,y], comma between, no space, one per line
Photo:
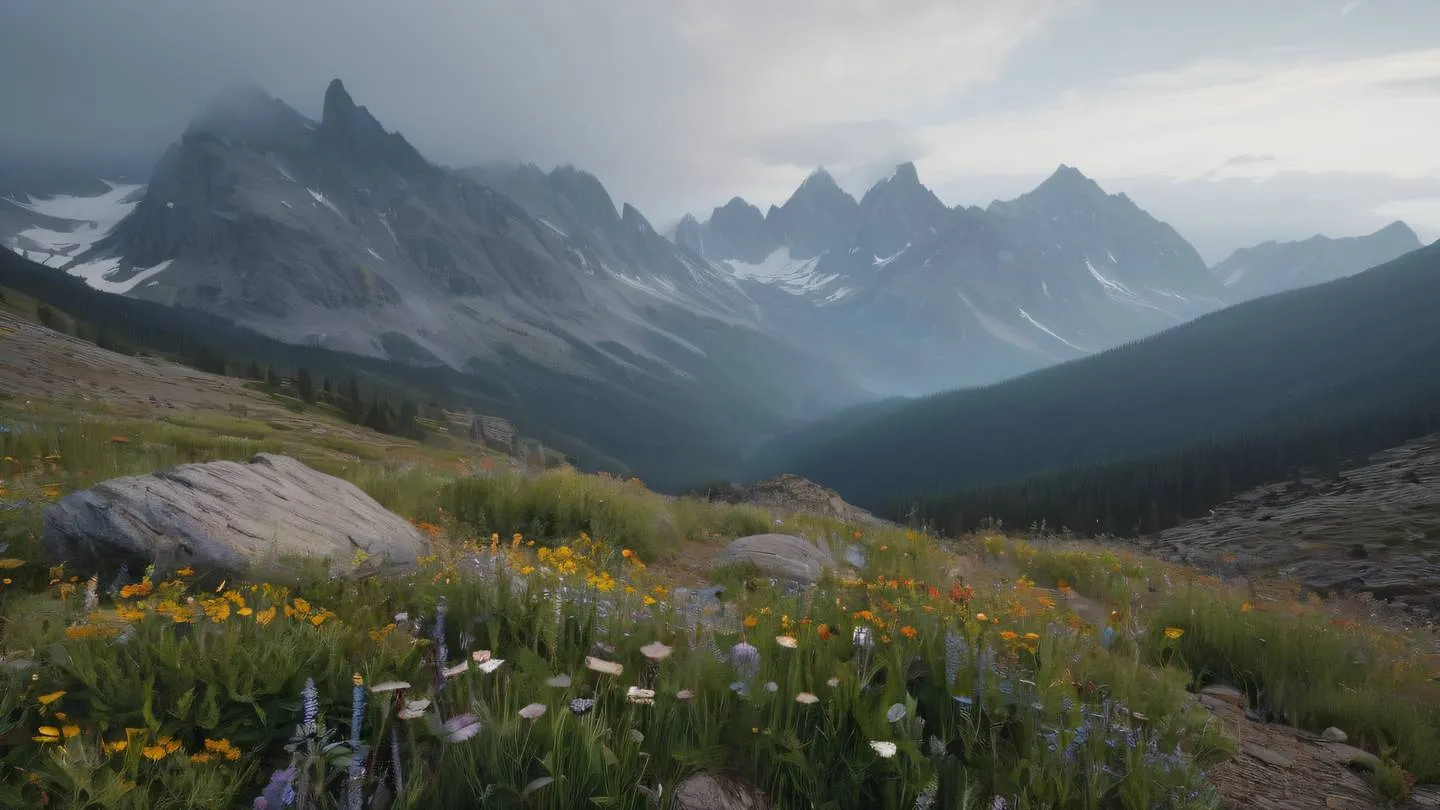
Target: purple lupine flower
[954,655]
[395,759]
[357,761]
[310,702]
[441,653]
[279,793]
[745,659]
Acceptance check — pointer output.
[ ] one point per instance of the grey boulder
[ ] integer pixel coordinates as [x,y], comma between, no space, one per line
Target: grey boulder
[271,516]
[783,556]
[710,791]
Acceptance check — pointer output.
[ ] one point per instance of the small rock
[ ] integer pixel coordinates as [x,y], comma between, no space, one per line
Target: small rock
[1268,756]
[1334,735]
[1224,694]
[1350,755]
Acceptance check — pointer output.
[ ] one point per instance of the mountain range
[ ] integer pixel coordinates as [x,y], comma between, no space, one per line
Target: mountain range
[914,297]
[1274,267]
[1321,361]
[336,233]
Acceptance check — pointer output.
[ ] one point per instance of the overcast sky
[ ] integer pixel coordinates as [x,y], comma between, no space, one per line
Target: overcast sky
[1235,120]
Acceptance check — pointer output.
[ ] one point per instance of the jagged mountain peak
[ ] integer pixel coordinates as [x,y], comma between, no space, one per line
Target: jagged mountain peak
[584,191]
[354,134]
[631,217]
[906,174]
[1069,182]
[905,180]
[820,183]
[737,204]
[1398,229]
[338,102]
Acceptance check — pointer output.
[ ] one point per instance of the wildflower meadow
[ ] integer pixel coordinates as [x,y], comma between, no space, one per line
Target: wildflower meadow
[544,657]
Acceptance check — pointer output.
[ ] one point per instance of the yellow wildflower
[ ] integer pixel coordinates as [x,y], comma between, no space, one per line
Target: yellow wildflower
[265,616]
[47,734]
[46,700]
[1173,633]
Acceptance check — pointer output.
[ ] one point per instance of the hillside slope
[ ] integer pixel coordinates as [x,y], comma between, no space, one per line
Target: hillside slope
[671,435]
[1344,346]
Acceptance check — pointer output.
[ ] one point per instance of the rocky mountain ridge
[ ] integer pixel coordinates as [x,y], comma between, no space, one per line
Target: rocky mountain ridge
[952,297]
[1274,267]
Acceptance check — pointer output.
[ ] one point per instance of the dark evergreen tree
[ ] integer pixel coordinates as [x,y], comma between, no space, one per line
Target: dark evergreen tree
[304,385]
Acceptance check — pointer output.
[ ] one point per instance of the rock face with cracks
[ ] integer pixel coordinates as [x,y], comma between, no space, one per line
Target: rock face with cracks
[263,517]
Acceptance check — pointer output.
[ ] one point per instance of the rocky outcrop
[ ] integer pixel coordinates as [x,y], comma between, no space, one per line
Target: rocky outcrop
[782,556]
[788,494]
[267,517]
[1374,528]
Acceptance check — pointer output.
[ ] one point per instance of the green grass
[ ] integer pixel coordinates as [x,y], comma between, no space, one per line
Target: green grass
[558,504]
[1316,671]
[1019,698]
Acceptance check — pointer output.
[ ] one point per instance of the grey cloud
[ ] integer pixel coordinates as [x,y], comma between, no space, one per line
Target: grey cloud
[1249,160]
[662,99]
[1427,86]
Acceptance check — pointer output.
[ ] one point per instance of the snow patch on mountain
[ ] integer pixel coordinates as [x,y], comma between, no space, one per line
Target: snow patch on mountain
[996,327]
[95,274]
[794,276]
[879,262]
[320,198]
[1116,291]
[91,218]
[1047,330]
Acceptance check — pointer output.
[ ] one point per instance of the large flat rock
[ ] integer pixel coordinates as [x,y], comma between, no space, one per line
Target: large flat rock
[225,518]
[783,556]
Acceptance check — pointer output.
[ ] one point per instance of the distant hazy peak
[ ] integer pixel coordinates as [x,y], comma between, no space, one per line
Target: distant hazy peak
[244,110]
[631,217]
[1068,181]
[1399,230]
[337,100]
[585,191]
[906,174]
[737,204]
